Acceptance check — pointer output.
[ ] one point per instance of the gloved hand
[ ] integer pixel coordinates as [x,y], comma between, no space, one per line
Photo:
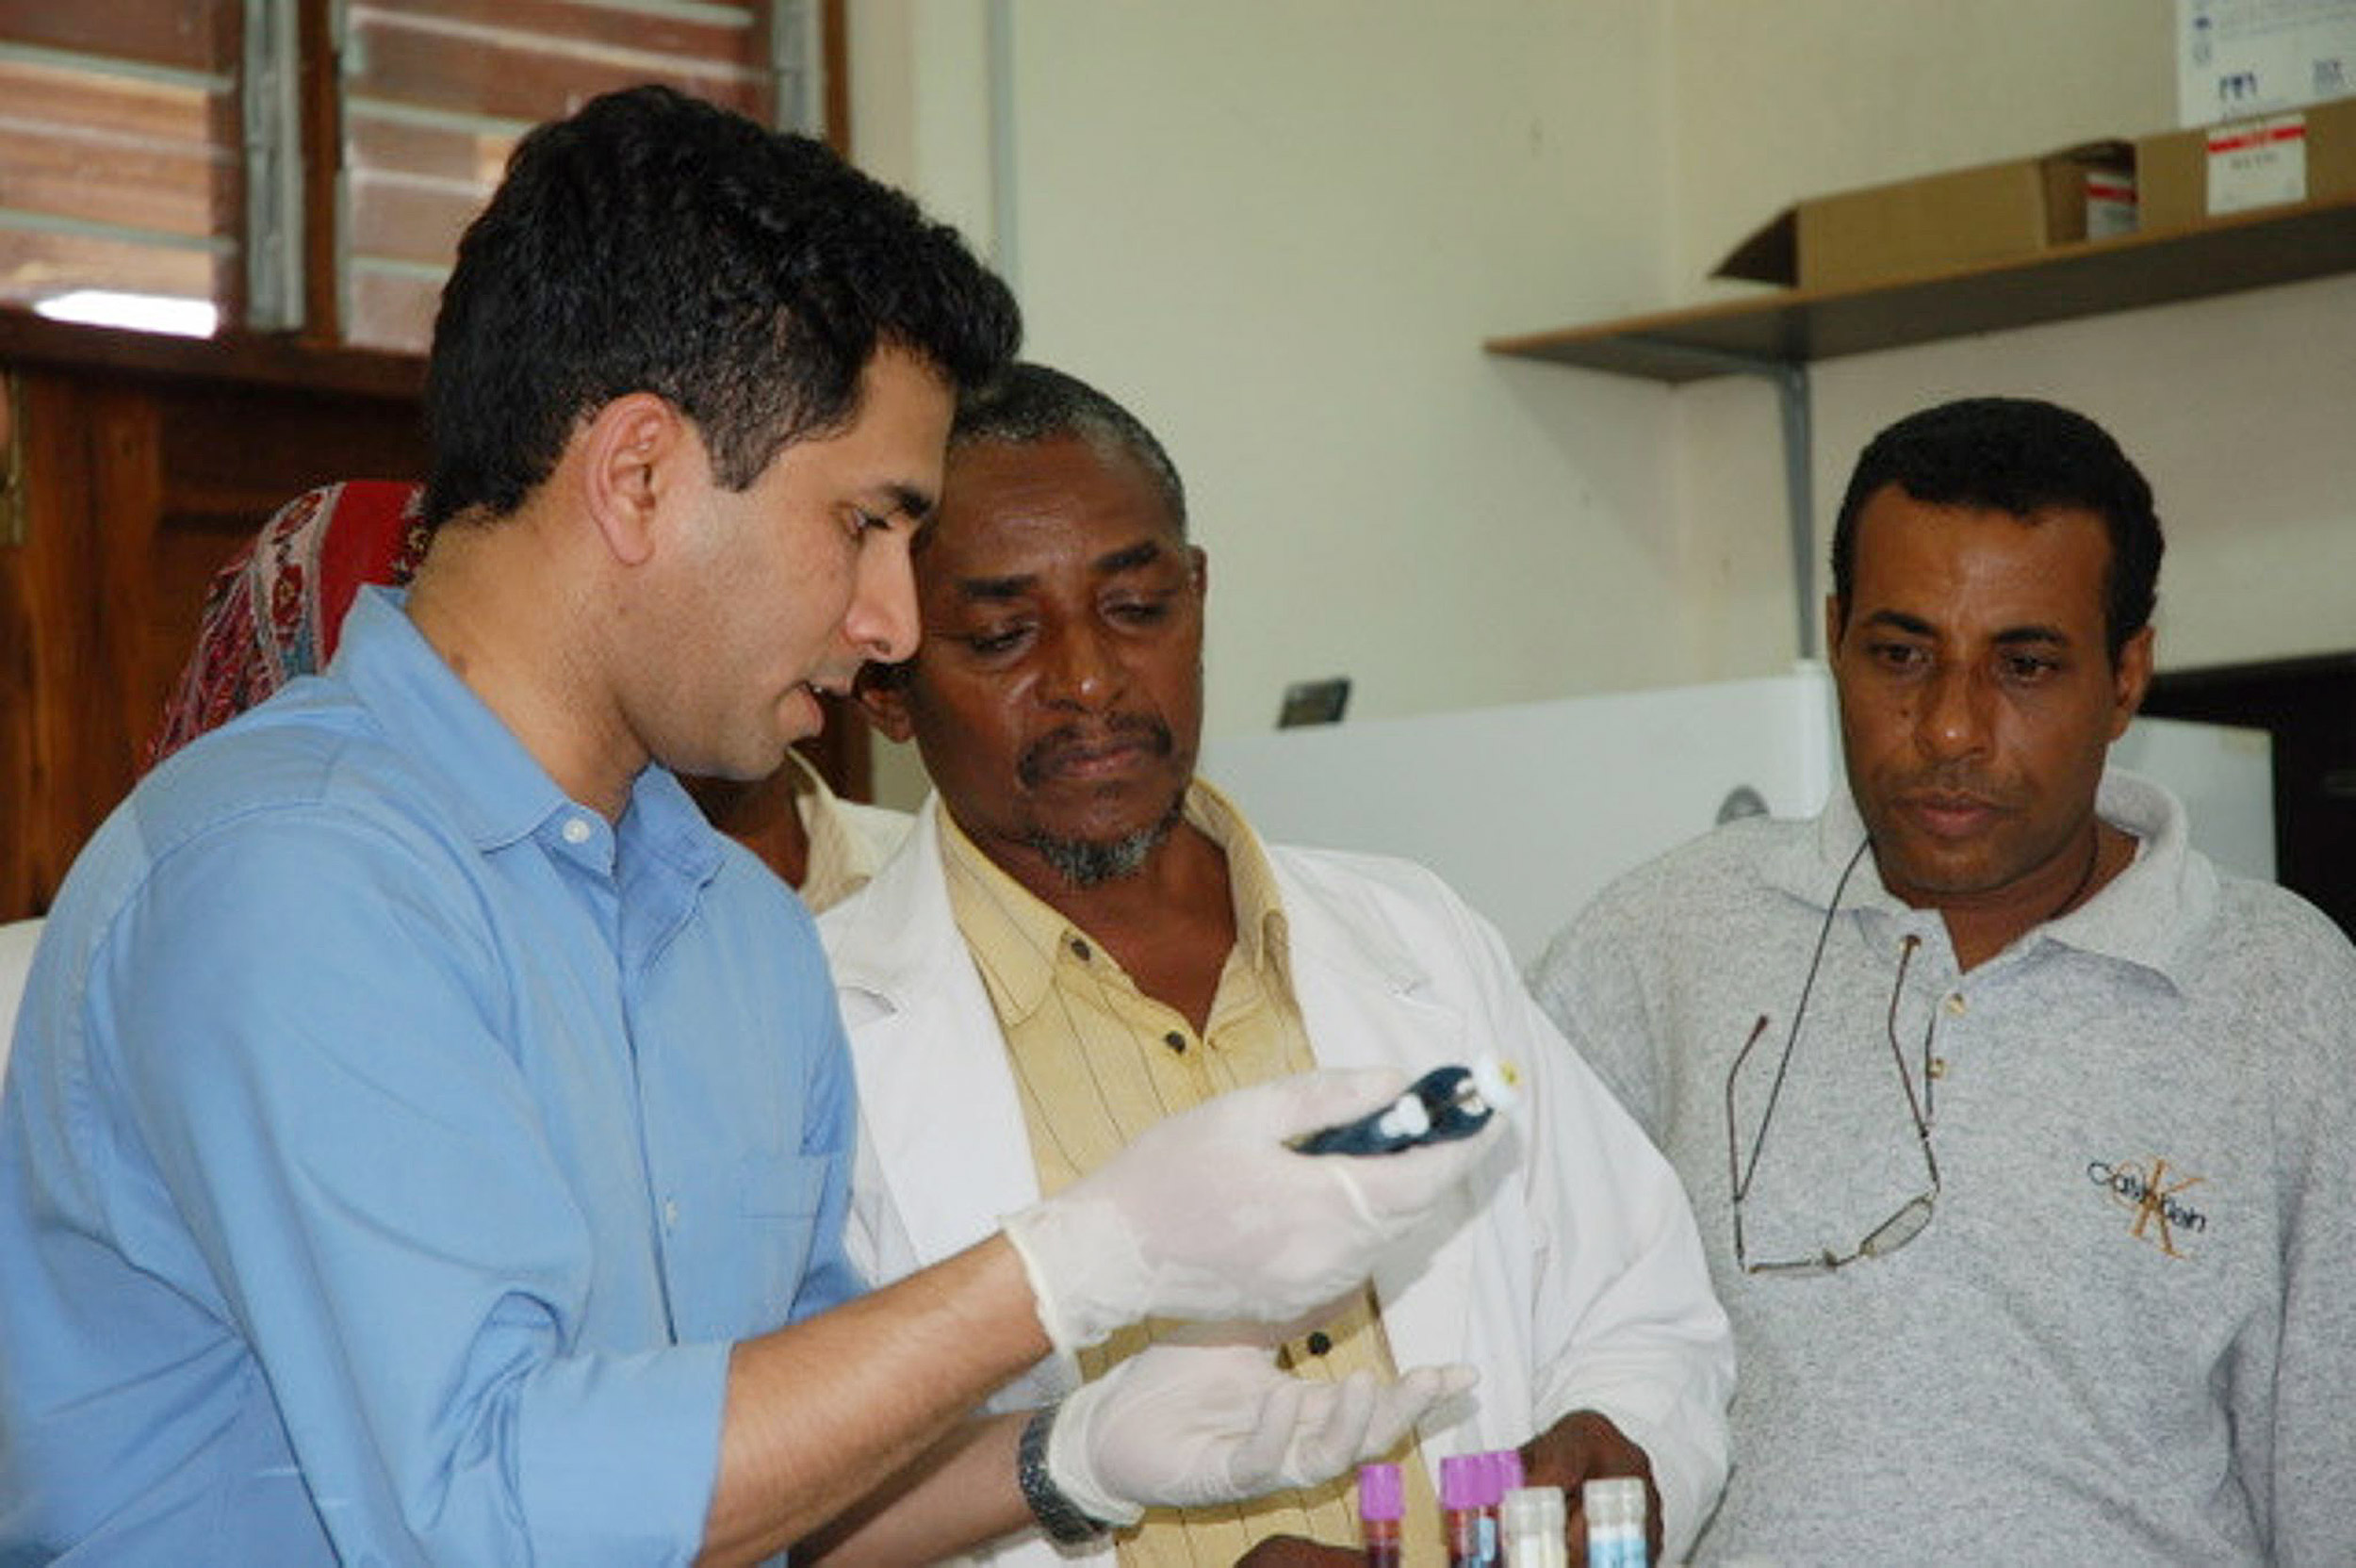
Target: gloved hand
[1209,1216]
[1187,1425]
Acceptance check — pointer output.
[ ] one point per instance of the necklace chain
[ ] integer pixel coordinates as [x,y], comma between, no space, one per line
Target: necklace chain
[2085,878]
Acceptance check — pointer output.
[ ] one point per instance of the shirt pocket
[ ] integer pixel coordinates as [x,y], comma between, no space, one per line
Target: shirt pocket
[779,1198]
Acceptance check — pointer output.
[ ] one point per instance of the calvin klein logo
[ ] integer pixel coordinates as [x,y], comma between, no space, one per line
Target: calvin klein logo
[2153,1196]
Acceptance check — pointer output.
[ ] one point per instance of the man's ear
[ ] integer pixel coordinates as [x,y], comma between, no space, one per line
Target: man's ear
[634,453]
[2131,677]
[1200,564]
[1836,616]
[882,691]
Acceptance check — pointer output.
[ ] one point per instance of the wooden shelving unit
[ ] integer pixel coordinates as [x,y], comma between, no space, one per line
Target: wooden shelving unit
[2244,251]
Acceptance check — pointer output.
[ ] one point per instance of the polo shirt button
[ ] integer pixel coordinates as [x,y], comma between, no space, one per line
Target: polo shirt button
[1080,950]
[575,831]
[1955,1005]
[1176,1041]
[1320,1343]
[670,1214]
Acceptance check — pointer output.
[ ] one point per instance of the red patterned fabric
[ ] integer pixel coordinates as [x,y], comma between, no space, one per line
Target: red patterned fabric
[274,611]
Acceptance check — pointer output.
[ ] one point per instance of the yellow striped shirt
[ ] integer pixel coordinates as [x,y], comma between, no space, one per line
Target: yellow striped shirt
[1096,1062]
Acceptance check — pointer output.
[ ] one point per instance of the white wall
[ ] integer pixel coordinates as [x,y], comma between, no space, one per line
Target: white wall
[1798,97]
[1280,229]
[1280,233]
[2235,407]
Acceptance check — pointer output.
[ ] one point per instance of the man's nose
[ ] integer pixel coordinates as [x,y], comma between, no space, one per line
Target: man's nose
[1081,668]
[882,622]
[1955,716]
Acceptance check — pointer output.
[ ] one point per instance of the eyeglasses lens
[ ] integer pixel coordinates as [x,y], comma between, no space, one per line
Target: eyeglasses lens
[1898,1229]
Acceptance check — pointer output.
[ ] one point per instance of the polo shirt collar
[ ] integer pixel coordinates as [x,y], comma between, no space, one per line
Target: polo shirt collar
[2151,914]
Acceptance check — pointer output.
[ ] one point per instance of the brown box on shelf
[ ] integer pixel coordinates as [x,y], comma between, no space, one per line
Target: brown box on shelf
[1962,218]
[2175,181]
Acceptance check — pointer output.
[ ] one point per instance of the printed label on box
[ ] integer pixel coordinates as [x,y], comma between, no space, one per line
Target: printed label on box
[2110,203]
[2258,163]
[2239,58]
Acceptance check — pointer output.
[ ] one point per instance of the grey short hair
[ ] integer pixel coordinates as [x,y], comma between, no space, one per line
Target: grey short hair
[1028,402]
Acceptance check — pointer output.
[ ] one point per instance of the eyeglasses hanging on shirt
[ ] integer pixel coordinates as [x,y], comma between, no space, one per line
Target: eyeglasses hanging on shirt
[1913,1214]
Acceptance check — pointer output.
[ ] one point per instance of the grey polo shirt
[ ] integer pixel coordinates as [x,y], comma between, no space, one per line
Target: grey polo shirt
[2126,1334]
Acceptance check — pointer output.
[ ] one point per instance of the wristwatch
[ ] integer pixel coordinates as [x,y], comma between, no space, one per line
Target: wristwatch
[1057,1514]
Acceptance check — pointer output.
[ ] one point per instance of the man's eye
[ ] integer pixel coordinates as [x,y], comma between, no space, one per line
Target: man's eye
[2024,667]
[1140,612]
[999,640]
[1897,656]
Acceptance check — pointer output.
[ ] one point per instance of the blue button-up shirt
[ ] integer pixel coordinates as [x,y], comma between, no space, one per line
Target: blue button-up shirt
[392,1149]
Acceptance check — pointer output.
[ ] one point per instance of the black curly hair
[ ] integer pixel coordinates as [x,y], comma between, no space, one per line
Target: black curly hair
[654,242]
[2018,455]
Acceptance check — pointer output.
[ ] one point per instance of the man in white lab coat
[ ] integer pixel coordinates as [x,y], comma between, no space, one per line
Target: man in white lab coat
[1080,938]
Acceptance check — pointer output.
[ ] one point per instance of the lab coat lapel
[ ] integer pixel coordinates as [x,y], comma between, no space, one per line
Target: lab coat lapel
[948,1139]
[1367,1001]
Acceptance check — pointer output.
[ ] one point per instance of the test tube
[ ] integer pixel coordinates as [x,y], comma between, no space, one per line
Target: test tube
[1490,1469]
[1534,1526]
[1504,1476]
[1382,1505]
[1615,1522]
[1459,1509]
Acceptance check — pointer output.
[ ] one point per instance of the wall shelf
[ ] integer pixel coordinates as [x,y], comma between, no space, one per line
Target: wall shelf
[1780,334]
[2244,251]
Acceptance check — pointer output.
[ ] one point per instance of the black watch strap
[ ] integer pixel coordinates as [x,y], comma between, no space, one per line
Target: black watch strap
[1057,1514]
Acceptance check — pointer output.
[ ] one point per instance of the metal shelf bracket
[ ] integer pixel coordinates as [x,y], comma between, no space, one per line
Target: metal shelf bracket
[1799,489]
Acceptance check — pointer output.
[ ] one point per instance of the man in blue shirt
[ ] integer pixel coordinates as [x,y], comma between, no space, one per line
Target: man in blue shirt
[426,1139]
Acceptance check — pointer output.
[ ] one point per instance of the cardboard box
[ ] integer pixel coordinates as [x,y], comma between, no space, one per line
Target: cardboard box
[2186,177]
[1963,217]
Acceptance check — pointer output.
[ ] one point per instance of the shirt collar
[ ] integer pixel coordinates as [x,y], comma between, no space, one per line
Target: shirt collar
[1022,932]
[2156,912]
[1035,933]
[495,786]
[1261,937]
[2151,914]
[840,861]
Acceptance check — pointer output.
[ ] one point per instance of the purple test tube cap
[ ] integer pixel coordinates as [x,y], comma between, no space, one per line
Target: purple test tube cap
[1486,1481]
[1380,1492]
[1459,1482]
[1505,1474]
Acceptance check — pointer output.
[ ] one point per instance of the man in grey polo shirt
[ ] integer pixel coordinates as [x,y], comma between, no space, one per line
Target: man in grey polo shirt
[2023,1139]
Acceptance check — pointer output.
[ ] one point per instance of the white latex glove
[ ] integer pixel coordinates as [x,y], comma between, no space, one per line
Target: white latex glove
[1209,1216]
[1188,1426]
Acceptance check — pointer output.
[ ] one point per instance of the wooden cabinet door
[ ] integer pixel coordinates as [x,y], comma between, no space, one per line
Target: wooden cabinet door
[136,487]
[143,464]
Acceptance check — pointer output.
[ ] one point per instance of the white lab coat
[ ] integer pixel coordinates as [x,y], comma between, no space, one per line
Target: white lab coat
[1574,1281]
[17,941]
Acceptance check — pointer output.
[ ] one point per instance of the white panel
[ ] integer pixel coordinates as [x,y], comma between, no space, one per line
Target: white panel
[1529,809]
[2225,777]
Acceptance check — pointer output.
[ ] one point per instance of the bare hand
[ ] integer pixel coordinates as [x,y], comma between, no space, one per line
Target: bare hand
[1584,1446]
[1293,1551]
